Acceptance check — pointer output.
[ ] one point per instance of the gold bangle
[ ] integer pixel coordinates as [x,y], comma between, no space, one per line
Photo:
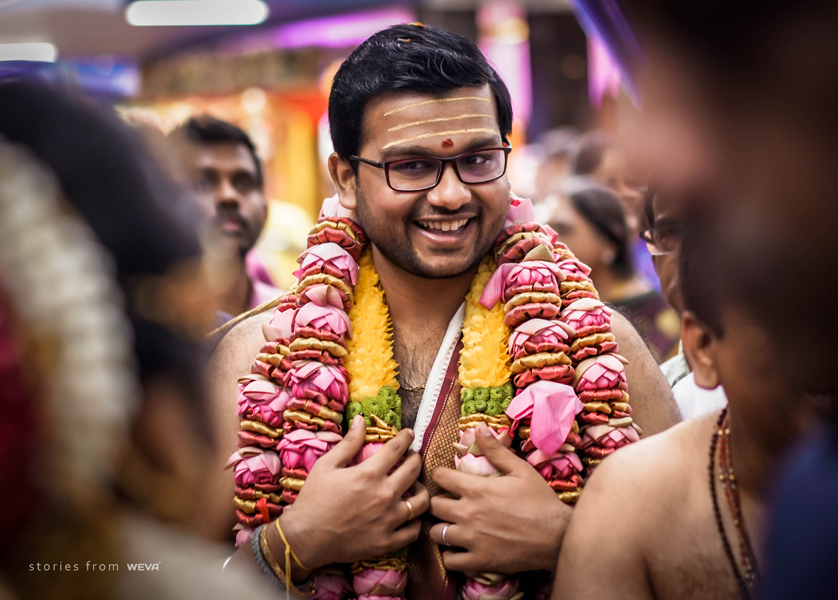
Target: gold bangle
[288,550]
[284,576]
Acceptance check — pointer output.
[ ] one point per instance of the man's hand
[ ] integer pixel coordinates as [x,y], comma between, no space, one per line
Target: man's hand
[505,524]
[348,513]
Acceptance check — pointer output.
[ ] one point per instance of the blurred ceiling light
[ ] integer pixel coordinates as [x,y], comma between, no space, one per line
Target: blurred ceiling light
[151,13]
[34,51]
[254,100]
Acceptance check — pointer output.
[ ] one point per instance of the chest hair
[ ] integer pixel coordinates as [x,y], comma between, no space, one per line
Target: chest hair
[415,350]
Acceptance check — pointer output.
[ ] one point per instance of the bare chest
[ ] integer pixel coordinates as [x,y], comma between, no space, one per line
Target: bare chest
[415,352]
[686,557]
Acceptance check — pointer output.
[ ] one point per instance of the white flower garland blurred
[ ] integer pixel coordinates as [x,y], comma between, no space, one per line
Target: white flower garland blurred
[61,284]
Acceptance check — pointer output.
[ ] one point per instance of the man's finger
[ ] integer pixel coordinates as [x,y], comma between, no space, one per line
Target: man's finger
[454,535]
[454,481]
[460,561]
[390,453]
[346,449]
[501,457]
[404,536]
[419,499]
[446,509]
[406,474]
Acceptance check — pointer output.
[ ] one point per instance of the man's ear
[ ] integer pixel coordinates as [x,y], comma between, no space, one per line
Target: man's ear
[343,176]
[700,348]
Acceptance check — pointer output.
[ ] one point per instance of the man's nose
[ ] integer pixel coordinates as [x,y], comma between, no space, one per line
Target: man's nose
[226,193]
[450,192]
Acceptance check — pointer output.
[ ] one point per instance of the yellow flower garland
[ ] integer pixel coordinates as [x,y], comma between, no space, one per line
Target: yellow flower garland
[370,360]
[484,361]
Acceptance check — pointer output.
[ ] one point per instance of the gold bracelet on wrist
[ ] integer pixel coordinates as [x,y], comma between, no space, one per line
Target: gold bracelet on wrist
[283,575]
[288,549]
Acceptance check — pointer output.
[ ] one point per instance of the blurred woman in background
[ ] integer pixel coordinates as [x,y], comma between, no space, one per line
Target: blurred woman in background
[591,220]
[104,430]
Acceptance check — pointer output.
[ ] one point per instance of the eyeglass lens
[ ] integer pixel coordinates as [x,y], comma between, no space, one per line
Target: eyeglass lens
[419,173]
[663,240]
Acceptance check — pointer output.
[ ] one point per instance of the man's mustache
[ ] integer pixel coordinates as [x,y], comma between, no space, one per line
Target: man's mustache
[227,215]
[472,209]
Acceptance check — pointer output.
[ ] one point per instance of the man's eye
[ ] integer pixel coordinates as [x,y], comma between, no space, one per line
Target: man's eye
[476,159]
[244,184]
[412,166]
[667,236]
[204,184]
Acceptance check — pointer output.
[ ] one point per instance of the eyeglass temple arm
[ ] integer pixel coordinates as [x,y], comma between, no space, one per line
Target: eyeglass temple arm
[367,161]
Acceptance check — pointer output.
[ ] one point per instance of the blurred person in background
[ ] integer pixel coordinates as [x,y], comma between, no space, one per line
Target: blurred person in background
[557,146]
[739,115]
[104,427]
[707,480]
[591,220]
[598,157]
[664,228]
[220,164]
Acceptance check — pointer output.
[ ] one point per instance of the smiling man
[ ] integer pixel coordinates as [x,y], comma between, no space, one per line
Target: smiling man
[420,124]
[220,164]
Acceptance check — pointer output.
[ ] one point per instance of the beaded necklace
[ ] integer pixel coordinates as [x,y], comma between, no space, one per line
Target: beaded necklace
[747,578]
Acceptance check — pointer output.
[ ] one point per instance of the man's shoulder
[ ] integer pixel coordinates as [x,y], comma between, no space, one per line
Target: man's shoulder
[243,340]
[657,467]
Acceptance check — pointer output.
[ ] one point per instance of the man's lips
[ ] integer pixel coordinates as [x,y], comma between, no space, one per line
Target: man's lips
[231,225]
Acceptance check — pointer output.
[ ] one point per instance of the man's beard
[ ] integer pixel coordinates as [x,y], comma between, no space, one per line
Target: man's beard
[400,251]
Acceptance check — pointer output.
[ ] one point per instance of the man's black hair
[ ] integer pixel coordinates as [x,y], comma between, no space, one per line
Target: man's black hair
[604,211]
[407,58]
[701,273]
[207,130]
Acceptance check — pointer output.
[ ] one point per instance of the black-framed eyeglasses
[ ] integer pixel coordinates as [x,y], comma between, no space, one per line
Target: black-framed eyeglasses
[663,240]
[423,173]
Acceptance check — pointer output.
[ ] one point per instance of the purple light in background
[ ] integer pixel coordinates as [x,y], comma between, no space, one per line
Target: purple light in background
[604,73]
[504,40]
[339,31]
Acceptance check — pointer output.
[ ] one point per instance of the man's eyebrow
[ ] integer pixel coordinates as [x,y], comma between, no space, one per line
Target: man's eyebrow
[416,150]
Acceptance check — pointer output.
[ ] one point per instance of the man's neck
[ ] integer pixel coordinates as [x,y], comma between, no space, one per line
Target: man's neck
[421,310]
[417,302]
[753,462]
[235,299]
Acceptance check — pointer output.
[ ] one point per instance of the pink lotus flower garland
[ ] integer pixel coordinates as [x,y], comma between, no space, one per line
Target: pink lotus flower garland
[292,404]
[557,325]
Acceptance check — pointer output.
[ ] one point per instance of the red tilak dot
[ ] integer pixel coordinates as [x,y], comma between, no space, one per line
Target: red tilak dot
[447,144]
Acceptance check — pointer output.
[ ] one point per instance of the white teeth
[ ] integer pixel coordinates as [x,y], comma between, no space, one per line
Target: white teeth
[444,225]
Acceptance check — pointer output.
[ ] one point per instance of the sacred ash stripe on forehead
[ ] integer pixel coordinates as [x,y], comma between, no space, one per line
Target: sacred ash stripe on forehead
[438,134]
[436,101]
[457,118]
